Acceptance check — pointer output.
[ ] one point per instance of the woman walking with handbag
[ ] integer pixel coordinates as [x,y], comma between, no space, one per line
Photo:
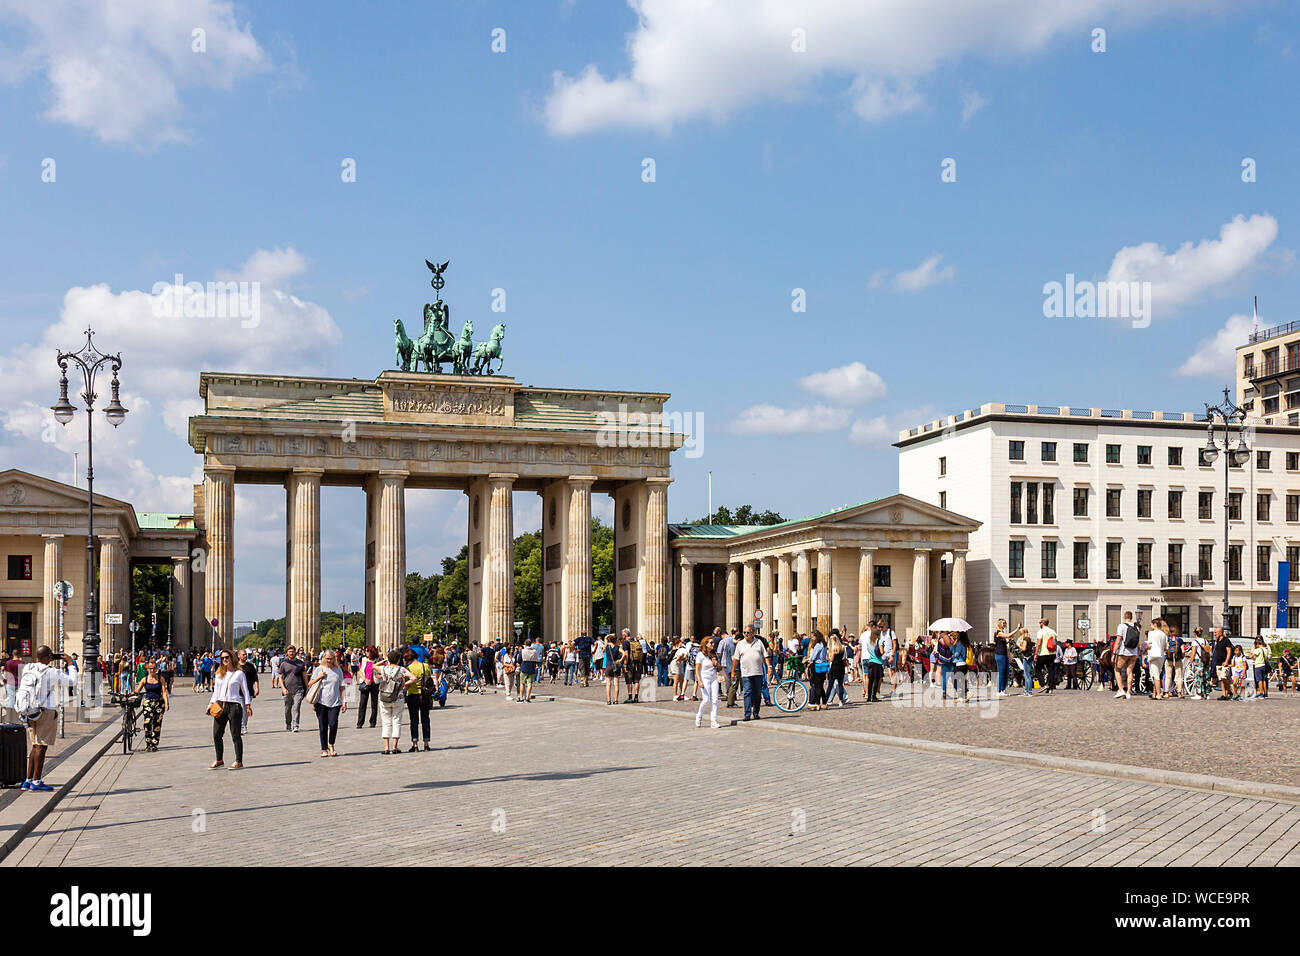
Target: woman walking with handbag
[613,667]
[418,703]
[155,703]
[819,666]
[325,694]
[706,675]
[230,698]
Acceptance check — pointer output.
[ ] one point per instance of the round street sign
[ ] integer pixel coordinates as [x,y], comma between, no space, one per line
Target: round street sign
[758,614]
[214,622]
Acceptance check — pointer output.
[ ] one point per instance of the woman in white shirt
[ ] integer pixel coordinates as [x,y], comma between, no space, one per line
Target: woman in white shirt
[230,698]
[1157,646]
[330,703]
[706,677]
[390,711]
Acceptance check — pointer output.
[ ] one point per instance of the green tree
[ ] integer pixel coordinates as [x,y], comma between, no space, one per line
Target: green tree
[744,515]
[453,590]
[528,581]
[602,573]
[150,582]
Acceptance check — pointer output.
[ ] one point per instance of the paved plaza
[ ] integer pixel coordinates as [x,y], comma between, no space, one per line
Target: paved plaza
[559,782]
[1246,740]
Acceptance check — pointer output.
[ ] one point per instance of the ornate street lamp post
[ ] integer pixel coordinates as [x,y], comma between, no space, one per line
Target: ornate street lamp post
[1230,416]
[90,360]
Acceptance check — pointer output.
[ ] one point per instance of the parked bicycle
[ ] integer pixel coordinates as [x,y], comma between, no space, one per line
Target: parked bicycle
[130,704]
[790,695]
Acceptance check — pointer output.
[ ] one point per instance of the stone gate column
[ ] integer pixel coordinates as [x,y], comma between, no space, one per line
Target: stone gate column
[499,559]
[110,593]
[53,566]
[803,574]
[390,560]
[959,583]
[181,612]
[866,588]
[824,590]
[688,597]
[733,587]
[219,569]
[655,625]
[747,599]
[920,591]
[577,562]
[765,595]
[784,618]
[303,613]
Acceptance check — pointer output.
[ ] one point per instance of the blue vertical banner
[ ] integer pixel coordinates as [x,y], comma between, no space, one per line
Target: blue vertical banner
[1283,592]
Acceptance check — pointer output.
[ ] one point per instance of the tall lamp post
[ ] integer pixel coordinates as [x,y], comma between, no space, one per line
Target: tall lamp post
[1231,417]
[90,360]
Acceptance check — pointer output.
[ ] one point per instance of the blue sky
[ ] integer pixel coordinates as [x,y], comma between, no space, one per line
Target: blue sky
[775,170]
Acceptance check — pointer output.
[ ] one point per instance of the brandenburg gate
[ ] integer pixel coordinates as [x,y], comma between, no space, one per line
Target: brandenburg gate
[484,435]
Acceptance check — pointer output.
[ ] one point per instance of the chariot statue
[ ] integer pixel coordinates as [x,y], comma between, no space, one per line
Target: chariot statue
[436,344]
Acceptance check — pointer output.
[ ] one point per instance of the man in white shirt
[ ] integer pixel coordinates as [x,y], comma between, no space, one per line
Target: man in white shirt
[37,702]
[1124,658]
[750,662]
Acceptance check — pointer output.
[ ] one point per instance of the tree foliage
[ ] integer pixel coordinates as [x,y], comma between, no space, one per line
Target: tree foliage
[744,515]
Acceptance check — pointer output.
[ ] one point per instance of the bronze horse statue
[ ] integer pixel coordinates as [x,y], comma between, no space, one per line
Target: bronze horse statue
[403,345]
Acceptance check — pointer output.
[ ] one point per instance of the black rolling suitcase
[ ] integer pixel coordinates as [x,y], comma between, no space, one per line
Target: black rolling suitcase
[13,754]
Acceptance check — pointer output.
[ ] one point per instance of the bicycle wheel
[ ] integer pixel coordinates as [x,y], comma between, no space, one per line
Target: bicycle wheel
[1085,675]
[790,696]
[472,685]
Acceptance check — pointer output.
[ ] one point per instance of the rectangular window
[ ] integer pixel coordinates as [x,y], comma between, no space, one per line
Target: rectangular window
[1175,504]
[1175,455]
[1175,561]
[1234,506]
[1112,454]
[1049,503]
[1234,562]
[1293,507]
[1080,451]
[881,575]
[1015,559]
[1049,451]
[943,466]
[1144,502]
[1081,502]
[1112,560]
[943,500]
[1112,502]
[1205,504]
[1205,562]
[1261,460]
[1293,562]
[1017,451]
[1263,617]
[1144,560]
[20,567]
[1015,502]
[1144,454]
[1081,560]
[1262,554]
[1263,503]
[1049,560]
[1031,502]
[1293,461]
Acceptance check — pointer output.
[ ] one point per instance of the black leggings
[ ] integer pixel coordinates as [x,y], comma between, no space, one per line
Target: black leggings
[817,684]
[327,719]
[232,714]
[418,710]
[875,673]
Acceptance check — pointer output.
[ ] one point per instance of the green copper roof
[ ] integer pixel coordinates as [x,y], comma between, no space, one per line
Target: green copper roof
[161,520]
[723,531]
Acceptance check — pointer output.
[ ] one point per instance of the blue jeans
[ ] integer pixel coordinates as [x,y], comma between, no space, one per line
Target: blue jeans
[661,672]
[837,688]
[570,668]
[754,689]
[767,694]
[1029,674]
[1003,671]
[947,670]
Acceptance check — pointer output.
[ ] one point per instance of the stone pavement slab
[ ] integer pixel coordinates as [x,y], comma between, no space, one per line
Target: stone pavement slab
[555,784]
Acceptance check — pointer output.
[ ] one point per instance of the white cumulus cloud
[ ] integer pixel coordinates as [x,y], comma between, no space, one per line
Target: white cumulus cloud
[928,273]
[691,60]
[116,68]
[775,420]
[1216,356]
[1197,269]
[852,384]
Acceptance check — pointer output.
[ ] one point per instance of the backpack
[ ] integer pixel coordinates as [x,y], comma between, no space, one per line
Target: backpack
[1133,638]
[27,699]
[1051,644]
[635,652]
[661,653]
[390,688]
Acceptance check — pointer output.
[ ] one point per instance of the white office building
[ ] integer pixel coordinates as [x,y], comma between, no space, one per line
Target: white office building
[1088,512]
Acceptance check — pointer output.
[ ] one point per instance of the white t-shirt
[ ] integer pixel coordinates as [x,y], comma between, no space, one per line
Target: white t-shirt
[1157,643]
[752,658]
[708,673]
